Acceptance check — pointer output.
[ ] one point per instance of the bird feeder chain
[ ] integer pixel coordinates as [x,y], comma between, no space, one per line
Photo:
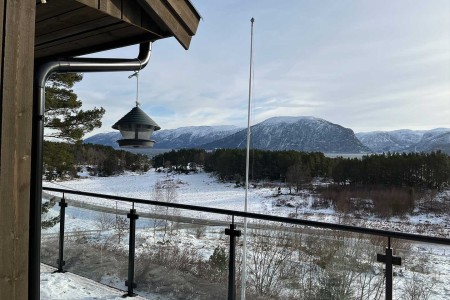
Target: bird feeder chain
[136,74]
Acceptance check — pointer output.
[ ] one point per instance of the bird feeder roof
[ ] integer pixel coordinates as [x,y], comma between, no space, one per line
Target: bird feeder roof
[136,116]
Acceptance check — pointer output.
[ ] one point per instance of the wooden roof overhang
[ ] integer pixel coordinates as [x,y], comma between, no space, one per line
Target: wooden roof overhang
[78,27]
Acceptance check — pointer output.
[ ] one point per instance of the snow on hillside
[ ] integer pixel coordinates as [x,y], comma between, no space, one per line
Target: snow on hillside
[198,131]
[289,120]
[193,136]
[183,137]
[295,133]
[405,140]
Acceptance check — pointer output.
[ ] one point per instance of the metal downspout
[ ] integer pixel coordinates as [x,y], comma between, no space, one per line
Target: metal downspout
[42,73]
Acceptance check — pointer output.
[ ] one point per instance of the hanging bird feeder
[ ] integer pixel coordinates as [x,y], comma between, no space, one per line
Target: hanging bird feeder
[136,126]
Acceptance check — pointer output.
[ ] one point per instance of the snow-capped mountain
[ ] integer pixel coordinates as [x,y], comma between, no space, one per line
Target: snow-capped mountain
[106,139]
[191,137]
[184,137]
[384,141]
[295,133]
[435,139]
[406,140]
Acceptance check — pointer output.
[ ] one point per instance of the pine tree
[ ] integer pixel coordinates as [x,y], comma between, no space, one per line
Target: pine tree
[64,118]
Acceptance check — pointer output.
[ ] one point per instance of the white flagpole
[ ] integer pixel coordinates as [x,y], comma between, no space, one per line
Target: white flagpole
[244,255]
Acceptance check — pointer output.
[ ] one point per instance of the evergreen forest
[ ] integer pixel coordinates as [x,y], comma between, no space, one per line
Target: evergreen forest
[64,160]
[418,170]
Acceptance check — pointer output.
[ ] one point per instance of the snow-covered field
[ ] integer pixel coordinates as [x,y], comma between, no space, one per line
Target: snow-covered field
[195,189]
[430,262]
[202,189]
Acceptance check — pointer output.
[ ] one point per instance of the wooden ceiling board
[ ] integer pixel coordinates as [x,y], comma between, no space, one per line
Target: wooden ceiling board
[52,9]
[66,21]
[72,41]
[77,27]
[75,30]
[100,39]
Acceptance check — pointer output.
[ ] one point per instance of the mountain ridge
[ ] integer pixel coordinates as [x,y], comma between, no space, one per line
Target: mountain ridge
[407,140]
[302,133]
[295,133]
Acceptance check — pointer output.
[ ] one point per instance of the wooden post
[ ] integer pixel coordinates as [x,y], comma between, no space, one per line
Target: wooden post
[17,28]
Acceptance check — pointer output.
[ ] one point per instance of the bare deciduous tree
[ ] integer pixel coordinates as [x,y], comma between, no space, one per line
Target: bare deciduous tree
[417,288]
[121,226]
[104,222]
[165,191]
[269,257]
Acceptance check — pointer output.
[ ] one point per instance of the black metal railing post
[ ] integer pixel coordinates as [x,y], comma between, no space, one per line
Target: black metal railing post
[389,260]
[233,233]
[133,216]
[62,221]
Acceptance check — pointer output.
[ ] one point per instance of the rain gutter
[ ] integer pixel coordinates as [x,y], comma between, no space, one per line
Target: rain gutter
[42,72]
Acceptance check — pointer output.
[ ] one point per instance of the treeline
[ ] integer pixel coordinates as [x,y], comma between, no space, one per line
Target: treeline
[182,160]
[229,164]
[422,170]
[63,160]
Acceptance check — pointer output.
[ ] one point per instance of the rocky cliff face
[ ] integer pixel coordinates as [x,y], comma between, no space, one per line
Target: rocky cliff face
[295,133]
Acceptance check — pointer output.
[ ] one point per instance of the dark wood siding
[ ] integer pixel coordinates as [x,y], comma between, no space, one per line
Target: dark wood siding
[17,41]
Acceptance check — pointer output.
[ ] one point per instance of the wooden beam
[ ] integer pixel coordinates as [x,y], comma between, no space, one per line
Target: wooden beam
[90,3]
[186,14]
[165,19]
[128,11]
[2,16]
[16,101]
[131,12]
[112,7]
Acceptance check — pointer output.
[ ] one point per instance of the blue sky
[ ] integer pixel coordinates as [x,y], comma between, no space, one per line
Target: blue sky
[366,65]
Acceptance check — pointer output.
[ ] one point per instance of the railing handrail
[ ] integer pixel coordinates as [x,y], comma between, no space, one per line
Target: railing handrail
[229,212]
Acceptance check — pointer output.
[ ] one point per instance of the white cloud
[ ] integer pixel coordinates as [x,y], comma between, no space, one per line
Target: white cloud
[364,65]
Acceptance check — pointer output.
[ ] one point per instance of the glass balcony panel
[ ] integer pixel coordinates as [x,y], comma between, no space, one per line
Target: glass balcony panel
[295,262]
[183,254]
[179,258]
[95,239]
[424,270]
[50,230]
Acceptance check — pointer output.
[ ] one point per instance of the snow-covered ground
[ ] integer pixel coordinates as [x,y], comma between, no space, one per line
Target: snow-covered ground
[195,189]
[62,286]
[202,189]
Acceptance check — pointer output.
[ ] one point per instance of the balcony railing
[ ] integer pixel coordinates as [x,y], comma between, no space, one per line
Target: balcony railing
[183,251]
